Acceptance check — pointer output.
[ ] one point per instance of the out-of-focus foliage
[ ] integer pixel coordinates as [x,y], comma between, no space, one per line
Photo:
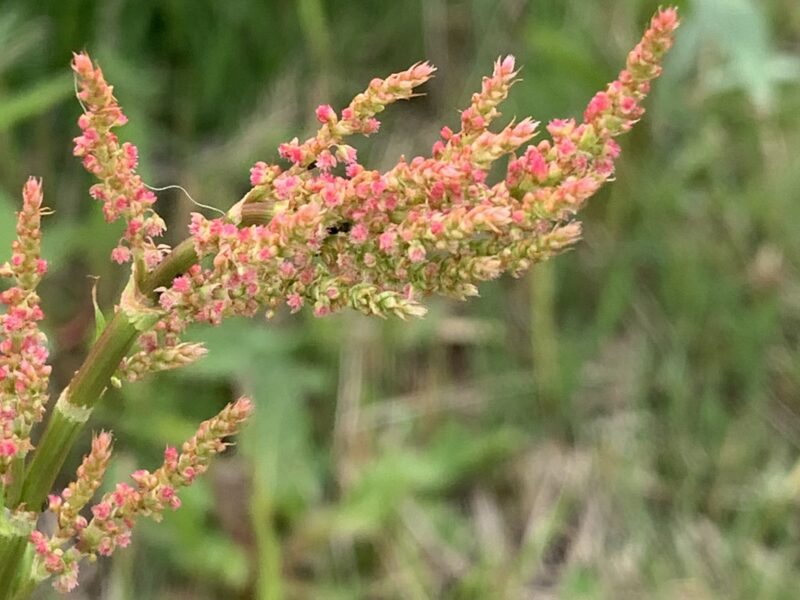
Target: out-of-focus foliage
[622,423]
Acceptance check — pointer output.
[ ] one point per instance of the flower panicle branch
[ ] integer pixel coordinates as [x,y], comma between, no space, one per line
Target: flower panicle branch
[484,106]
[327,148]
[379,242]
[160,351]
[24,373]
[68,505]
[52,557]
[121,190]
[560,175]
[115,515]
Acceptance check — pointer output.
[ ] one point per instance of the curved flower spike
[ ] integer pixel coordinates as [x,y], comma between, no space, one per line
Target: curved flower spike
[121,190]
[378,242]
[24,373]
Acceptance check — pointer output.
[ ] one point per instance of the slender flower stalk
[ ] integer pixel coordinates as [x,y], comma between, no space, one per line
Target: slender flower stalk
[24,373]
[160,351]
[319,230]
[121,189]
[69,522]
[114,516]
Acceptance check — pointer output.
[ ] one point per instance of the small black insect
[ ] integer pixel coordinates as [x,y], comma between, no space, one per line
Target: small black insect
[343,227]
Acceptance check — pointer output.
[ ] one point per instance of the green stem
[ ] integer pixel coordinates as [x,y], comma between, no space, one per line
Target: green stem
[268,549]
[181,258]
[544,342]
[11,496]
[12,550]
[54,445]
[26,590]
[15,553]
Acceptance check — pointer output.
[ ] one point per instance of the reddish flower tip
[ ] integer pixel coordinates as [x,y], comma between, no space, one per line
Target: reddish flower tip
[423,70]
[244,406]
[120,255]
[81,63]
[325,113]
[507,65]
[666,19]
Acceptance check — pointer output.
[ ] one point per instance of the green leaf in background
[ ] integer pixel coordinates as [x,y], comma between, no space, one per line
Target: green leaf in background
[259,360]
[34,100]
[750,63]
[18,37]
[8,223]
[208,555]
[399,474]
[276,442]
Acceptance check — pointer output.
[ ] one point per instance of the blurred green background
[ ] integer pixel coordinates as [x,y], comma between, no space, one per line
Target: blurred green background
[623,422]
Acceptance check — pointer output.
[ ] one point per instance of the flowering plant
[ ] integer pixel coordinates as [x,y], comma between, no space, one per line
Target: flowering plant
[322,231]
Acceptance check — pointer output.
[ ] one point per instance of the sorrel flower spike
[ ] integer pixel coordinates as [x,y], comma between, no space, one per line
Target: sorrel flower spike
[306,233]
[121,190]
[113,518]
[24,373]
[378,242]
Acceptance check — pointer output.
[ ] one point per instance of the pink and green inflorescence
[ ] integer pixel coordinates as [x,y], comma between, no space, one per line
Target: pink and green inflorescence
[431,225]
[318,230]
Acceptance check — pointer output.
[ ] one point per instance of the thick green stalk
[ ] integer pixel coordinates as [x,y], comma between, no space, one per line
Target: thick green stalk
[65,425]
[12,550]
[15,528]
[11,496]
[25,589]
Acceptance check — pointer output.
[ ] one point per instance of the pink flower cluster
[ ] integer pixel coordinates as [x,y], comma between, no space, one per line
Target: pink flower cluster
[377,242]
[24,373]
[161,350]
[335,234]
[326,149]
[114,517]
[121,190]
